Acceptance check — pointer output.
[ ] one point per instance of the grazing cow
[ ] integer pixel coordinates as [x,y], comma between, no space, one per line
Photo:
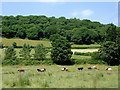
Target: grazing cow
[97,68]
[89,67]
[108,69]
[41,70]
[81,68]
[64,69]
[21,70]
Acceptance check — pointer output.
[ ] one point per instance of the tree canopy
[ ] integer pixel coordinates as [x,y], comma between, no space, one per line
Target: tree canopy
[37,27]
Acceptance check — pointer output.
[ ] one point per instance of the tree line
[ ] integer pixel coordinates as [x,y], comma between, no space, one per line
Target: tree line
[39,27]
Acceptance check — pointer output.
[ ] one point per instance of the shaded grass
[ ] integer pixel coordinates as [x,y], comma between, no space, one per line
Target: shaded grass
[55,78]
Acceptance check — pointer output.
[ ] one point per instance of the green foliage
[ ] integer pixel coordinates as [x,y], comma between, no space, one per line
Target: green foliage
[10,53]
[89,61]
[25,52]
[14,44]
[61,52]
[54,37]
[111,53]
[110,49]
[1,45]
[111,33]
[11,62]
[38,27]
[83,54]
[83,36]
[40,52]
[50,30]
[98,56]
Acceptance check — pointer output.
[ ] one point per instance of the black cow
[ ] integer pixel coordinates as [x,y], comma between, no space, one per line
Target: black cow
[81,68]
[41,70]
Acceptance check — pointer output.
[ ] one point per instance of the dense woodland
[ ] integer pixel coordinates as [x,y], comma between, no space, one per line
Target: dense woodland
[39,27]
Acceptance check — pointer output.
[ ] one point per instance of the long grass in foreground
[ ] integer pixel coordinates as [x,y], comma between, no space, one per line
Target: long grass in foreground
[55,78]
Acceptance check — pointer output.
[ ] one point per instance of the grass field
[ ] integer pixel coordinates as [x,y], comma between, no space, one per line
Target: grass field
[20,42]
[55,78]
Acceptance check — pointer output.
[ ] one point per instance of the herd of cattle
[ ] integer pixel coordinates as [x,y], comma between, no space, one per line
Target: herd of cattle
[66,69]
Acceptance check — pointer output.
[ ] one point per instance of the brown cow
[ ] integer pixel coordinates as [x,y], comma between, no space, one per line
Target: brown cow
[21,70]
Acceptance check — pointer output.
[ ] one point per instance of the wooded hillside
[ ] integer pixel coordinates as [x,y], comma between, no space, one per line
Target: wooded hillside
[39,27]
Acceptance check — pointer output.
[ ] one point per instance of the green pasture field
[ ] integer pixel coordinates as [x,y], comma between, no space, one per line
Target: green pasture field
[53,77]
[20,42]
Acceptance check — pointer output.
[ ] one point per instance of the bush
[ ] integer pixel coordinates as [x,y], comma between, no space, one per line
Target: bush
[14,44]
[1,45]
[10,53]
[25,52]
[40,52]
[11,62]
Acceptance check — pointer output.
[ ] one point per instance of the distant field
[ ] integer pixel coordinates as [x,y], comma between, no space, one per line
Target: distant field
[55,78]
[84,50]
[91,45]
[20,42]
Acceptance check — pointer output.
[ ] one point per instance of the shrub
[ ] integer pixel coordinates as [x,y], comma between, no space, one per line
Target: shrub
[1,45]
[14,44]
[25,52]
[40,52]
[11,62]
[10,53]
